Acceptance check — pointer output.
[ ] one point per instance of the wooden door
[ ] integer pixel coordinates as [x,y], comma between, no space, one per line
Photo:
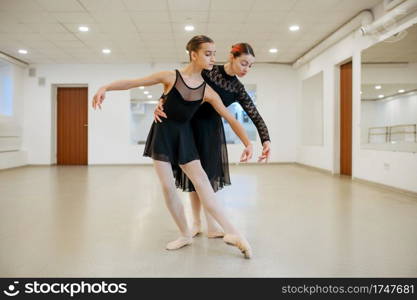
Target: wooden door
[346,119]
[72,130]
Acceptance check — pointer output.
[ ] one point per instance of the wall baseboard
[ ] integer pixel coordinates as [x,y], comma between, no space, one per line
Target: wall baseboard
[324,171]
[386,187]
[363,181]
[12,159]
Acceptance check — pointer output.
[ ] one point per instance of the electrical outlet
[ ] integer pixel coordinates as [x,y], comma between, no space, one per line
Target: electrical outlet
[386,166]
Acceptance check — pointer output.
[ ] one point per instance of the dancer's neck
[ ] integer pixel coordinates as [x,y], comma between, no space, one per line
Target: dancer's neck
[192,71]
[228,69]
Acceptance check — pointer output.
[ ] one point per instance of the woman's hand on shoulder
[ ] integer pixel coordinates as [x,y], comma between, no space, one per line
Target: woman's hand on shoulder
[159,111]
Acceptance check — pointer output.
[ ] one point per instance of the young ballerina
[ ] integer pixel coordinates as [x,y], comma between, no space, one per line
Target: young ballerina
[209,132]
[171,143]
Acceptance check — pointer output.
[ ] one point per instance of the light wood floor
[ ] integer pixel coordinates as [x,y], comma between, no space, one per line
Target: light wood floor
[111,221]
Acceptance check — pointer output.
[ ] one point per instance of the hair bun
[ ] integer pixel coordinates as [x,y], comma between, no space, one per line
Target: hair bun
[242,48]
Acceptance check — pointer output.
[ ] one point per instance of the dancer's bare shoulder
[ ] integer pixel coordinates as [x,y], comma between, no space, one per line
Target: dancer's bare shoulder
[210,95]
[166,77]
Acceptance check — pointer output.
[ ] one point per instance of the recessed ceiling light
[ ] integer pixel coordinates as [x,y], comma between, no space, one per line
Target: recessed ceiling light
[83,28]
[141,87]
[106,51]
[273,50]
[23,51]
[378,87]
[149,96]
[381,96]
[294,28]
[401,91]
[146,92]
[189,28]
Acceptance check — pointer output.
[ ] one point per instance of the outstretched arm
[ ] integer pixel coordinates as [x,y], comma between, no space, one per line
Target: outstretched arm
[213,98]
[249,107]
[164,77]
[126,84]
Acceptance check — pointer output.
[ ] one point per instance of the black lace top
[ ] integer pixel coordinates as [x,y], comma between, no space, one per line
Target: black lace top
[230,90]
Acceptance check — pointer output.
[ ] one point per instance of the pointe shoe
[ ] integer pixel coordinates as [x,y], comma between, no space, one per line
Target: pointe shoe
[179,243]
[239,242]
[215,234]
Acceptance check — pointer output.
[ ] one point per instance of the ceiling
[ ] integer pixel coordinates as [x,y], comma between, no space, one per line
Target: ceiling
[398,48]
[153,30]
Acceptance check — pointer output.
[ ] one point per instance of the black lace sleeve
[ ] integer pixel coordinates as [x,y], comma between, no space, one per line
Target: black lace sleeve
[247,104]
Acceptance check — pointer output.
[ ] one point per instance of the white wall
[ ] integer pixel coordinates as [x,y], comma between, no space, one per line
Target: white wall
[109,129]
[11,153]
[312,110]
[276,101]
[366,164]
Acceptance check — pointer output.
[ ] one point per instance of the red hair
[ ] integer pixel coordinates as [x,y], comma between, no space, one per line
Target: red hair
[242,48]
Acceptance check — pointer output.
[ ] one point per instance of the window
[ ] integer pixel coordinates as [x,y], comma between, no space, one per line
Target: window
[6,89]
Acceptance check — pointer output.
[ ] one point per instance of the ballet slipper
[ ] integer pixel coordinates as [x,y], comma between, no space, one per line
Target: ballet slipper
[215,234]
[239,242]
[196,230]
[179,243]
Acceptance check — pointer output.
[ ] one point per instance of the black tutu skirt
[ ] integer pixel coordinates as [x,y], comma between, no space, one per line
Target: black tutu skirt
[171,141]
[210,142]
